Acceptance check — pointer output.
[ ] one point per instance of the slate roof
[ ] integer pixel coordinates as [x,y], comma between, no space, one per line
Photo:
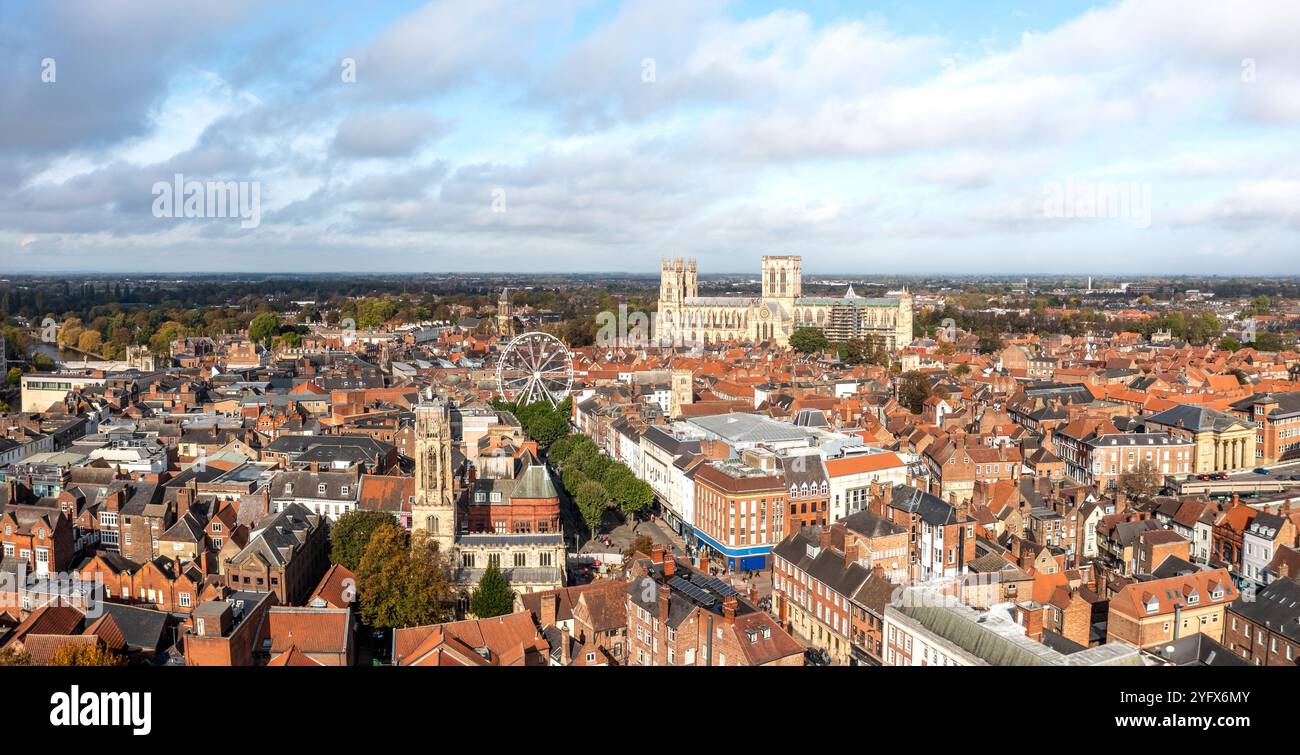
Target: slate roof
[1196,419]
[932,509]
[1276,607]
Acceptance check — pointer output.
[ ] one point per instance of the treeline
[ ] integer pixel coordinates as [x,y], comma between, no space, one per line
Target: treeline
[595,482]
[542,422]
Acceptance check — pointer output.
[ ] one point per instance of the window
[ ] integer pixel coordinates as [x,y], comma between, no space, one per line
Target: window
[320,489]
[521,559]
[183,600]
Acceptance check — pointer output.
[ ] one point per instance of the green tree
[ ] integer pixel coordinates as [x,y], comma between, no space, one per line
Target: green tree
[350,535]
[493,596]
[913,390]
[263,328]
[808,340]
[14,376]
[403,582]
[1228,343]
[592,500]
[1268,342]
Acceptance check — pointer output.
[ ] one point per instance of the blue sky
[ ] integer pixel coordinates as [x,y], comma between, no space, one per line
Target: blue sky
[588,136]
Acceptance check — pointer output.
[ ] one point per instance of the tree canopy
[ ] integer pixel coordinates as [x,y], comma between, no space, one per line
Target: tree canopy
[403,581]
[350,535]
[493,596]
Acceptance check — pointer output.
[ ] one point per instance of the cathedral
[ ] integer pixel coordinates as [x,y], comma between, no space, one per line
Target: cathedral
[779,310]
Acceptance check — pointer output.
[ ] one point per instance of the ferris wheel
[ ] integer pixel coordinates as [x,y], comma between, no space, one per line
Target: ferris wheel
[535,367]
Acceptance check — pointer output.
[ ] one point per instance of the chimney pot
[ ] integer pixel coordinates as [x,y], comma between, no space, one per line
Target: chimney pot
[729,610]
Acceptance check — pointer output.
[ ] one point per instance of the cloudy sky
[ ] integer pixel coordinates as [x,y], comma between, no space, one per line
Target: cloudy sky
[1139,137]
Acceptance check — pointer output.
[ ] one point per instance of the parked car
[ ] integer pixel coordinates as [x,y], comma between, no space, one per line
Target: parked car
[1261,470]
[1219,476]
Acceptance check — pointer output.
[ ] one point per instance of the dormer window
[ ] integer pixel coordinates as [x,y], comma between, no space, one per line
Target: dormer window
[320,489]
[288,488]
[344,490]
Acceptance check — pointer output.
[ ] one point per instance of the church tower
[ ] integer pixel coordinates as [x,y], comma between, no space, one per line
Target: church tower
[505,315]
[434,508]
[680,392]
[782,277]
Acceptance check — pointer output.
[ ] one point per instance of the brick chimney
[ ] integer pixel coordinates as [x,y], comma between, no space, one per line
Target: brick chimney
[704,563]
[184,499]
[729,610]
[824,537]
[550,609]
[665,593]
[657,554]
[564,647]
[670,566]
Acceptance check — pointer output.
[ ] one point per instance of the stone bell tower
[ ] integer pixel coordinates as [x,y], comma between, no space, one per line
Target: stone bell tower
[434,508]
[505,315]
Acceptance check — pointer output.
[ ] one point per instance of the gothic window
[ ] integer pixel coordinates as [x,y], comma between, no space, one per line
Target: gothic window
[431,524]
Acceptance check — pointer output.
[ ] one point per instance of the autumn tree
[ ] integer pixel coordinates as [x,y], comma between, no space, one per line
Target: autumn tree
[1142,481]
[913,390]
[642,544]
[85,655]
[350,535]
[403,581]
[12,656]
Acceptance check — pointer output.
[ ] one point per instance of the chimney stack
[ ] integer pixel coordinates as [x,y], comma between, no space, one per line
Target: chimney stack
[665,594]
[657,554]
[550,609]
[564,648]
[184,499]
[729,610]
[670,565]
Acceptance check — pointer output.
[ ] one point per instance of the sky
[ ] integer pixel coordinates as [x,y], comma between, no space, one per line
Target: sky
[1142,137]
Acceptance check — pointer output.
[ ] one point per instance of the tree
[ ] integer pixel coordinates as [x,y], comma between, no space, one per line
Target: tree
[642,544]
[493,596]
[638,496]
[1142,481]
[961,370]
[913,390]
[550,428]
[1268,342]
[12,656]
[403,584]
[350,535]
[592,500]
[1228,343]
[90,340]
[263,328]
[15,375]
[85,655]
[808,340]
